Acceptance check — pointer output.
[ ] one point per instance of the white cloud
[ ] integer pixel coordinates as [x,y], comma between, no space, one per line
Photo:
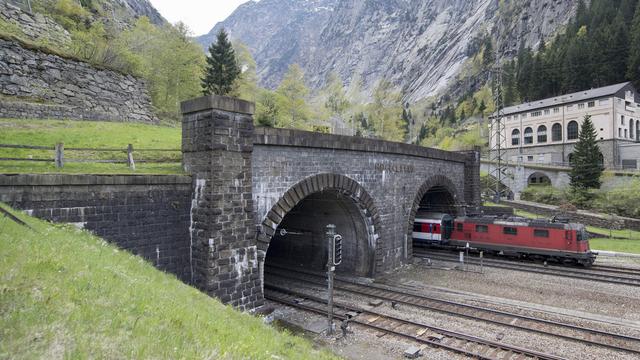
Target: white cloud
[199,15]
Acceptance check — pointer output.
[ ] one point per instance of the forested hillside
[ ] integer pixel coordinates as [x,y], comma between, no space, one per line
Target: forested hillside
[600,47]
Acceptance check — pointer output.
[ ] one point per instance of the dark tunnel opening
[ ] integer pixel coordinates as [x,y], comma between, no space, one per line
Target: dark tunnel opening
[439,199]
[300,241]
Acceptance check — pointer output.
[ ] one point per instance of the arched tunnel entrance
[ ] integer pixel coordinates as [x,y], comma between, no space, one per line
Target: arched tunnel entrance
[435,207]
[538,179]
[300,241]
[439,199]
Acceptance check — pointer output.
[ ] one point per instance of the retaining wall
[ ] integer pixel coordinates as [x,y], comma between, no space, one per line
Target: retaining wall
[37,84]
[147,215]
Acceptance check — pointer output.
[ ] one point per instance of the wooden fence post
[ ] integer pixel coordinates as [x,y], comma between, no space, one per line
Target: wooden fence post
[130,162]
[59,156]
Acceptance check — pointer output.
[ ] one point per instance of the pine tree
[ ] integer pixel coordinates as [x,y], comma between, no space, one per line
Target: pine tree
[488,55]
[482,108]
[222,68]
[633,71]
[585,165]
[292,98]
[524,73]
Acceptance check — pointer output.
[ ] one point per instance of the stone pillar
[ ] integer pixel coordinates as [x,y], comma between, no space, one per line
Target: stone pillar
[472,180]
[217,142]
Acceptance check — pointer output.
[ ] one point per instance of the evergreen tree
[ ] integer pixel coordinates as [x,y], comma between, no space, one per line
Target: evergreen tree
[247,83]
[292,98]
[633,70]
[488,57]
[576,69]
[585,165]
[267,110]
[524,73]
[385,112]
[222,68]
[482,108]
[509,83]
[336,102]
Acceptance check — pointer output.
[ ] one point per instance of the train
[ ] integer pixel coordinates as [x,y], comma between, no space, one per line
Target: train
[510,236]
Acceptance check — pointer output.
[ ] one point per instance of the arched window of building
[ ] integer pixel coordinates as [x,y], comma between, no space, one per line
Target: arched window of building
[556,132]
[542,134]
[515,137]
[572,130]
[637,130]
[631,132]
[528,136]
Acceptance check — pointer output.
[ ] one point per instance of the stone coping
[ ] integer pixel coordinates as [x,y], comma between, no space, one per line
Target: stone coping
[299,138]
[217,102]
[81,179]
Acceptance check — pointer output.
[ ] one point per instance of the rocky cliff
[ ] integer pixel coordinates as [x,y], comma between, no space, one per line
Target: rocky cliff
[419,45]
[122,12]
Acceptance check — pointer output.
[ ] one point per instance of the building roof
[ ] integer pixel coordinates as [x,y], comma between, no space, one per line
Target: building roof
[568,98]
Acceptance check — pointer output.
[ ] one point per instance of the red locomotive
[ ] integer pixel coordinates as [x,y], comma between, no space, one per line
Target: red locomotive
[513,236]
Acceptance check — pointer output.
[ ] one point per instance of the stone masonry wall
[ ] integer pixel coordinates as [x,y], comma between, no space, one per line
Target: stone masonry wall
[147,215]
[393,174]
[217,141]
[36,84]
[36,27]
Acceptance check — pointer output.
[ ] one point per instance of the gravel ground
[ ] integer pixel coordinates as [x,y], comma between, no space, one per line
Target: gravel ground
[584,303]
[361,344]
[574,294]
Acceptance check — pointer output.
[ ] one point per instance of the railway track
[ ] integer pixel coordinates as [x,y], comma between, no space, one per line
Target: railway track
[421,333]
[601,273]
[512,320]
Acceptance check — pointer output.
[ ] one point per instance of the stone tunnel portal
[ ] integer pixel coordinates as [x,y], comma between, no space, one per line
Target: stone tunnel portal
[436,196]
[300,240]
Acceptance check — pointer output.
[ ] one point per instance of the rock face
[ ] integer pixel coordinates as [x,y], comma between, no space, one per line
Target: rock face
[36,26]
[35,84]
[122,12]
[419,45]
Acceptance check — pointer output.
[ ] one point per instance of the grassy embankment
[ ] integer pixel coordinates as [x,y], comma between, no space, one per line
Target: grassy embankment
[608,240]
[88,134]
[65,293]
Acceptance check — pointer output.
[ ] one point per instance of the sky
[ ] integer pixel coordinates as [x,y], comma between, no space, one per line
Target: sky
[199,15]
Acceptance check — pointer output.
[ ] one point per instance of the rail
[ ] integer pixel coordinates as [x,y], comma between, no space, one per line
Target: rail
[60,155]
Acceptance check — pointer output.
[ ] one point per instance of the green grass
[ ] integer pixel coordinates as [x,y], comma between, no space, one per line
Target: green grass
[65,293]
[626,246]
[88,134]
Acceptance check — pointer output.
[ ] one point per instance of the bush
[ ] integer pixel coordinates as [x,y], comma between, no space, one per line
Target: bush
[623,200]
[543,194]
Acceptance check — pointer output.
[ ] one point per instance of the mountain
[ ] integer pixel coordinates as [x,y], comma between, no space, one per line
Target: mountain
[125,12]
[418,45]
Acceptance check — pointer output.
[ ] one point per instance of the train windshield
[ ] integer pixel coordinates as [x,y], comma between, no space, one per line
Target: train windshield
[582,235]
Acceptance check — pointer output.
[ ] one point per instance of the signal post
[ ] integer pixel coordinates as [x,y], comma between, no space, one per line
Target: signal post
[334,258]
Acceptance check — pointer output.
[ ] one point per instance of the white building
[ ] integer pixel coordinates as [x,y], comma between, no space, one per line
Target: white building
[545,131]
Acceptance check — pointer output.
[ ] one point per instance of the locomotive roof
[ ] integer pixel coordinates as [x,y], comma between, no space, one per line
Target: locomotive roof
[519,221]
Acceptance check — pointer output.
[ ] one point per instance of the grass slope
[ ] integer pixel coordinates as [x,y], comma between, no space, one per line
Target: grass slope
[88,134]
[65,293]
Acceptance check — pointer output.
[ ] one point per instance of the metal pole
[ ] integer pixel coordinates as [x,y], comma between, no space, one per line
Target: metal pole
[331,232]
